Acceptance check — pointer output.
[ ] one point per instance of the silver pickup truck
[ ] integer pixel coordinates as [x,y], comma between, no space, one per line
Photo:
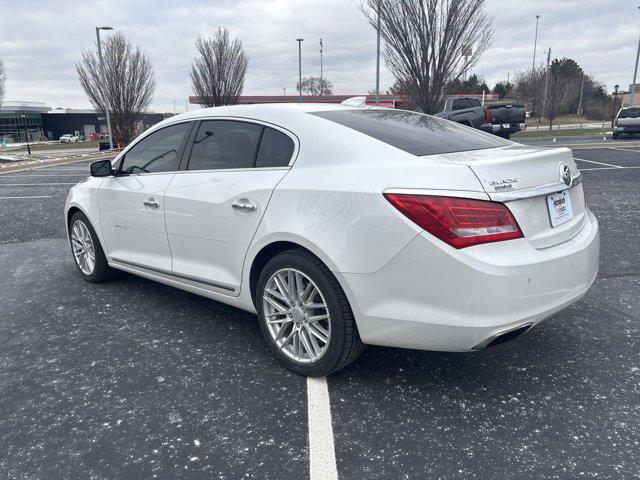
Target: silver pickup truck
[501,119]
[626,122]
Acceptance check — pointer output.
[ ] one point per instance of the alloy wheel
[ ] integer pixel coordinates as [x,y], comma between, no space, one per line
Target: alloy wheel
[296,315]
[82,246]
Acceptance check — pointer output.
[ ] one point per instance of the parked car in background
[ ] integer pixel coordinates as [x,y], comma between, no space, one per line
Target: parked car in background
[627,122]
[342,226]
[501,119]
[69,138]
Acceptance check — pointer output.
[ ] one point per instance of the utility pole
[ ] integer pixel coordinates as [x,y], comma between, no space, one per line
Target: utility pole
[635,73]
[321,85]
[546,87]
[105,92]
[284,91]
[579,112]
[174,107]
[378,59]
[300,40]
[535,45]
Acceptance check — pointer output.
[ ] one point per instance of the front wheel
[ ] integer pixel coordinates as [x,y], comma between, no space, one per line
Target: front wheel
[87,251]
[305,316]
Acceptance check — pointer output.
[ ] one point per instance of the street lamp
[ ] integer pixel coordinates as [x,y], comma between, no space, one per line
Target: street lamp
[378,59]
[300,40]
[26,131]
[105,93]
[535,45]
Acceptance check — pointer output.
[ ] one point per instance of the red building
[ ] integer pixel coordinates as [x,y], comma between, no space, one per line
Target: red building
[389,101]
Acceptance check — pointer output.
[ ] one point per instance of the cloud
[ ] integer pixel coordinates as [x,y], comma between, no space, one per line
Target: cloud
[40,42]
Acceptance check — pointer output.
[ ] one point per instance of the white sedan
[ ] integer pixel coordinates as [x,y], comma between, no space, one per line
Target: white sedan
[343,226]
[69,138]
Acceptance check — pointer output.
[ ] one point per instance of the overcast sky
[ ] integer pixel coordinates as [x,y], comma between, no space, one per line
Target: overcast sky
[41,41]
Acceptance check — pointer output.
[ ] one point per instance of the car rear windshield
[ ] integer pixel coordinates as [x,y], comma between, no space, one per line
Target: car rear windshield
[413,132]
[629,113]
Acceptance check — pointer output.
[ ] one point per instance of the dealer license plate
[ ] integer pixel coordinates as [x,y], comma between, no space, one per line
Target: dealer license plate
[560,210]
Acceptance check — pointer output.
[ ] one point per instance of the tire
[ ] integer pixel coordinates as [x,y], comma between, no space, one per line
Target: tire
[100,271]
[614,136]
[343,345]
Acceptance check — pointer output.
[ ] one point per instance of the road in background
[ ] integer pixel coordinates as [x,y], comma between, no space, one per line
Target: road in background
[133,379]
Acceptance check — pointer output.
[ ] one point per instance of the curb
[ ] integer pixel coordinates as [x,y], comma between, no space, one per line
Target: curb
[18,166]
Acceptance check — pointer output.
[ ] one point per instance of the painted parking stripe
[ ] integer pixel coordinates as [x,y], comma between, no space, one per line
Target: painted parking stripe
[598,163]
[28,196]
[624,149]
[607,168]
[44,175]
[34,184]
[322,453]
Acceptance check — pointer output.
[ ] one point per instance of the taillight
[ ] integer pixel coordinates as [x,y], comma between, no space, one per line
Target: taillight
[460,222]
[487,116]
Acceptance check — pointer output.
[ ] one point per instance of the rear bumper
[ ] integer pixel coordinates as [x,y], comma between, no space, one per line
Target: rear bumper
[433,297]
[500,128]
[627,129]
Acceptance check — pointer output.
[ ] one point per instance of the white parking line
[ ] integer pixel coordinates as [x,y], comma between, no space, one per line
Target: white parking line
[30,196]
[607,168]
[597,163]
[624,149]
[322,453]
[33,184]
[44,175]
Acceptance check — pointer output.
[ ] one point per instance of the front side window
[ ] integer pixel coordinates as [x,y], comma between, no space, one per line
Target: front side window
[221,144]
[157,152]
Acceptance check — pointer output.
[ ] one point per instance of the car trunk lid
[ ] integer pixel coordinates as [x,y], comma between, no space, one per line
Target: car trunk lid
[523,178]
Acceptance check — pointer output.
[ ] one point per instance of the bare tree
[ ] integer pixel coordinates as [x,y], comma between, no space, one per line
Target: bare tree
[429,43]
[3,81]
[529,85]
[130,83]
[217,73]
[315,86]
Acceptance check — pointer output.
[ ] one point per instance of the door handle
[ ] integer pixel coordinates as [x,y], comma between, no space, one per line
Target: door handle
[151,202]
[244,205]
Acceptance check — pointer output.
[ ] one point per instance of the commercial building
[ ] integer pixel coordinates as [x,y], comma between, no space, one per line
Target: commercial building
[390,101]
[35,121]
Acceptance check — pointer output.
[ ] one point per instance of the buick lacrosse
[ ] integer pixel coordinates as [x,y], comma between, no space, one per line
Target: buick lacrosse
[342,226]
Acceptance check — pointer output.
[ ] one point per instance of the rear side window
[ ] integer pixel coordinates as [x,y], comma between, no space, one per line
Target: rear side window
[414,132]
[276,149]
[459,104]
[157,152]
[629,113]
[224,144]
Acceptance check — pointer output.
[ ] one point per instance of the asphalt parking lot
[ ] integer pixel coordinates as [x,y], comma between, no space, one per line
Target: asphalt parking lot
[133,379]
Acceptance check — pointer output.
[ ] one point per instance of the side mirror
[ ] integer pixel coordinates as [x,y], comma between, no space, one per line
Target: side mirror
[101,168]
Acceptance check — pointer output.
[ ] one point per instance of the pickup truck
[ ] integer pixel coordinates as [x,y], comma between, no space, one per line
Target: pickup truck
[627,121]
[499,119]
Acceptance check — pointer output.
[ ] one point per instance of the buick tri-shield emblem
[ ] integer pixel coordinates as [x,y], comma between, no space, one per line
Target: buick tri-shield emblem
[565,174]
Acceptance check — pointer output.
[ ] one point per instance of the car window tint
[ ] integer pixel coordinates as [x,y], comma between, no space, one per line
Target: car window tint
[413,132]
[629,113]
[157,152]
[459,104]
[224,144]
[275,149]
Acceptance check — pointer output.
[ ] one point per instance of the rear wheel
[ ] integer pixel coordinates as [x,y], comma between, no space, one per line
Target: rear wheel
[305,316]
[614,136]
[87,251]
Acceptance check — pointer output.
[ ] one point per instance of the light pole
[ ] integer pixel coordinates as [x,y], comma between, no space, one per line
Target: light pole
[635,72]
[105,93]
[26,131]
[300,40]
[378,59]
[284,91]
[320,67]
[535,45]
